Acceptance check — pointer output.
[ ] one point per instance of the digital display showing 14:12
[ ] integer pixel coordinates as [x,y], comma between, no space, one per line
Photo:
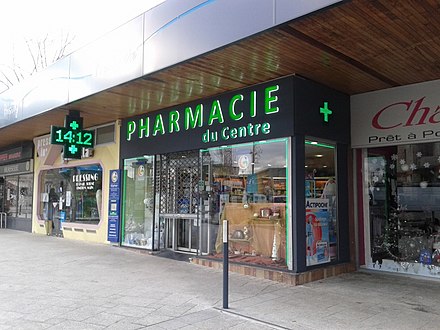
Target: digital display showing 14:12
[72,137]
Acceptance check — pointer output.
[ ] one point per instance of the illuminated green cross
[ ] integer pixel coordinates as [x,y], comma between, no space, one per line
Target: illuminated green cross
[325,111]
[73,149]
[72,136]
[74,125]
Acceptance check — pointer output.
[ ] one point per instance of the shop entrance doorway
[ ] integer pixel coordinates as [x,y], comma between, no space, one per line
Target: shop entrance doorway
[178,176]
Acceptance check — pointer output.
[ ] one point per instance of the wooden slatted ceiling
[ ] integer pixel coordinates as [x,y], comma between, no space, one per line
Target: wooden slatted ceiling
[399,39]
[356,46]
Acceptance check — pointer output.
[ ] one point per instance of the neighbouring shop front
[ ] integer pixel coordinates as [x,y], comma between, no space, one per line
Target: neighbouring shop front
[271,159]
[71,195]
[397,134]
[16,182]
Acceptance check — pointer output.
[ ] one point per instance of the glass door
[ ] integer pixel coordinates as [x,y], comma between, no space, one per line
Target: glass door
[138,213]
[178,175]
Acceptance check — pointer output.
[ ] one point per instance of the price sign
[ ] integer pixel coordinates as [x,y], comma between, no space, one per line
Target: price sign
[72,137]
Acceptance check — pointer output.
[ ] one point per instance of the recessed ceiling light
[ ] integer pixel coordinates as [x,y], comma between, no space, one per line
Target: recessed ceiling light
[319,156]
[313,142]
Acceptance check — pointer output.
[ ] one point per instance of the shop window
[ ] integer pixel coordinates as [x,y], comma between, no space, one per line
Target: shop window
[16,195]
[71,194]
[403,187]
[138,208]
[321,202]
[25,184]
[2,194]
[246,185]
[12,195]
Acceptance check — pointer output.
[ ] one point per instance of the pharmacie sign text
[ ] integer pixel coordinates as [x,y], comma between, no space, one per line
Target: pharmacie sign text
[250,114]
[239,108]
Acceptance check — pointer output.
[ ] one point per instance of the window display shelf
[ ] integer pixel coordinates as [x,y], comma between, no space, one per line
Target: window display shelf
[242,240]
[269,219]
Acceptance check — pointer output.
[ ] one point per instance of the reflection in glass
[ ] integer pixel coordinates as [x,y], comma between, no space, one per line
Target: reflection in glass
[25,196]
[321,203]
[246,184]
[12,195]
[138,210]
[71,194]
[403,185]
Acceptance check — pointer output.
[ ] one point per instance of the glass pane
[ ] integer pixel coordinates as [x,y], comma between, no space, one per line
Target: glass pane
[404,193]
[25,197]
[2,194]
[246,184]
[12,194]
[71,194]
[321,202]
[138,210]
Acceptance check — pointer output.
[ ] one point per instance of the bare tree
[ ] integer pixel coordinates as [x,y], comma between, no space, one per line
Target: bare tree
[39,54]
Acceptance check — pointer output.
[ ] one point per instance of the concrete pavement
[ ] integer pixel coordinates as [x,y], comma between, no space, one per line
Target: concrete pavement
[54,283]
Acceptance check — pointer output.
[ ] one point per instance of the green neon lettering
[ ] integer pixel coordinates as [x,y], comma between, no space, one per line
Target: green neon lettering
[224,133]
[144,127]
[233,133]
[232,114]
[256,128]
[194,119]
[131,128]
[269,99]
[242,131]
[158,126]
[216,113]
[173,122]
[250,128]
[253,104]
[265,128]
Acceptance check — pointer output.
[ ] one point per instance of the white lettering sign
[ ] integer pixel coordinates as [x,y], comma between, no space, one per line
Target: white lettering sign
[42,145]
[401,115]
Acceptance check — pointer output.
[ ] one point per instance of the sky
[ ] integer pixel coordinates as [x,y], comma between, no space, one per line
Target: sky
[84,20]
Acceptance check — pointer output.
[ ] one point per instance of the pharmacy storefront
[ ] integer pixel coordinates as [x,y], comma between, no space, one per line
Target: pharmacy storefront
[264,158]
[397,134]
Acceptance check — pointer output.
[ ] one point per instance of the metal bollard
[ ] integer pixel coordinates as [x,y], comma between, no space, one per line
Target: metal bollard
[225,264]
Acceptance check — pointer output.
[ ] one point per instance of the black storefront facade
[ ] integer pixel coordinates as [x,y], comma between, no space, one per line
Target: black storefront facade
[272,159]
[16,187]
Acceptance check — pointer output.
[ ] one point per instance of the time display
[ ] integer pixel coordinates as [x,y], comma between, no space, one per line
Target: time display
[72,137]
[82,138]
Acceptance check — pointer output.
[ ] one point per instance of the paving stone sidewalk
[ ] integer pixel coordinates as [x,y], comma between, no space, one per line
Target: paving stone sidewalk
[55,283]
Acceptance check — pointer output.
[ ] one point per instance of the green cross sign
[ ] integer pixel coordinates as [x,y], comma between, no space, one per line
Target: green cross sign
[72,137]
[325,111]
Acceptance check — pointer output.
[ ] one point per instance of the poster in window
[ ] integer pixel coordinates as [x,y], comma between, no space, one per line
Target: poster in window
[317,231]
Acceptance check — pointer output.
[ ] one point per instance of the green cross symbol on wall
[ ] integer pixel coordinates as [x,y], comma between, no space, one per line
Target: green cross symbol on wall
[74,125]
[325,111]
[72,137]
[73,149]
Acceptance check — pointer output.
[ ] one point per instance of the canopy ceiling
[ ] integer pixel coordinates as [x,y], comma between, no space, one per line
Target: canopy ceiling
[354,47]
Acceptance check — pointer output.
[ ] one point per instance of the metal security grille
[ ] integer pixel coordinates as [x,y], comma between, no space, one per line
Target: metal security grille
[178,177]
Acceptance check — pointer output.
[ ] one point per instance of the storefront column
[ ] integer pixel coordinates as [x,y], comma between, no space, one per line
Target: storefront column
[298,204]
[343,200]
